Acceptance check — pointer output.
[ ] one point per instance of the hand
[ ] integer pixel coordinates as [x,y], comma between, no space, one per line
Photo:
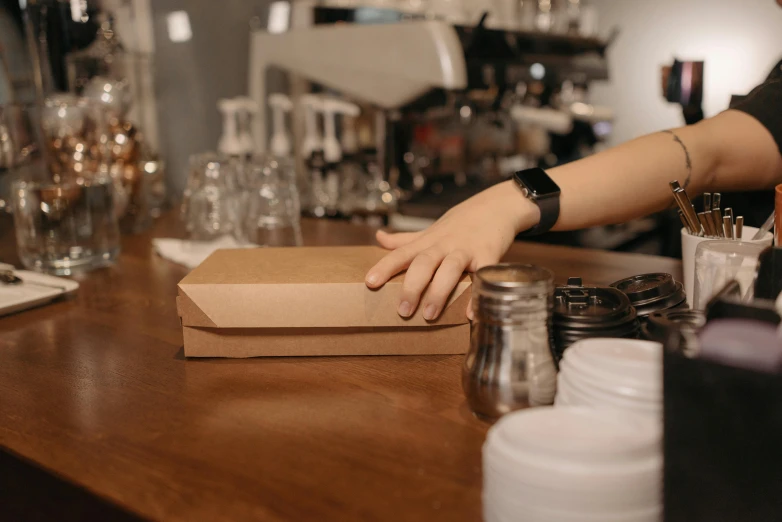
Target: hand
[471,235]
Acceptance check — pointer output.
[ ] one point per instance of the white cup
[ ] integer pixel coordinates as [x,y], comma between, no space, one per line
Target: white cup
[690,243]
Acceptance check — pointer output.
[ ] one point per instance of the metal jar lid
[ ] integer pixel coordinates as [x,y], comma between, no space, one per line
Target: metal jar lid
[513,278]
[509,292]
[651,293]
[579,307]
[661,323]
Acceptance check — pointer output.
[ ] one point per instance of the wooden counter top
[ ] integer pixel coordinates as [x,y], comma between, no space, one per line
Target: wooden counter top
[102,418]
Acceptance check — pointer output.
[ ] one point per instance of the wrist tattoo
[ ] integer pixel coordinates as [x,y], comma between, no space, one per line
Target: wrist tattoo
[688,162]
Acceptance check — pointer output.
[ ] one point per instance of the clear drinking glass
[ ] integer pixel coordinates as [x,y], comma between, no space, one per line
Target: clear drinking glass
[273,214]
[19,147]
[717,262]
[210,204]
[66,227]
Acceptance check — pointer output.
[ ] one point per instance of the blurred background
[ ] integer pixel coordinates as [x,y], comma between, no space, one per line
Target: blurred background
[389,111]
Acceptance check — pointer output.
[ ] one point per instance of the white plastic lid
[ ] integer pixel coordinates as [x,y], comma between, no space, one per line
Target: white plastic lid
[576,433]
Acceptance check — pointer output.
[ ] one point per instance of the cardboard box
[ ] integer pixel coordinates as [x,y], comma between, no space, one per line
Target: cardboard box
[308,301]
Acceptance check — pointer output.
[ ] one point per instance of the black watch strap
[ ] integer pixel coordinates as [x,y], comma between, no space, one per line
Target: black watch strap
[549,214]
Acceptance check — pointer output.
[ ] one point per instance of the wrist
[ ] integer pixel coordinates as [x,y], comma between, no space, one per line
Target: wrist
[524,213]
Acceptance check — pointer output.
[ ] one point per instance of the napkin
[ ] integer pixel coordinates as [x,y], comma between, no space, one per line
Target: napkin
[192,253]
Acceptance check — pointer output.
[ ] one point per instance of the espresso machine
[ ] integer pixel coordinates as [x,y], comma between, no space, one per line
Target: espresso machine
[451,108]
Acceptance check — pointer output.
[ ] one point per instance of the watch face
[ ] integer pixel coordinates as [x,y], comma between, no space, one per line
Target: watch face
[538,183]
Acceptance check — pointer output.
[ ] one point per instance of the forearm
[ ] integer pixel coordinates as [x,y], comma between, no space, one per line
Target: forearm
[731,151]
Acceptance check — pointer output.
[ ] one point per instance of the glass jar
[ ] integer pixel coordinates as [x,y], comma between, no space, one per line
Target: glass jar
[509,365]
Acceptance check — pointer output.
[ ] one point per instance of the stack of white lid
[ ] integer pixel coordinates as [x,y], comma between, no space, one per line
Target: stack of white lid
[571,464]
[619,374]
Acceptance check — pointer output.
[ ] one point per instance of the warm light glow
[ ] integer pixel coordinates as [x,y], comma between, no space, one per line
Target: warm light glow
[78,11]
[179,29]
[582,109]
[279,17]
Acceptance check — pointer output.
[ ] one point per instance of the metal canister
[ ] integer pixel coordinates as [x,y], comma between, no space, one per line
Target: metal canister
[509,365]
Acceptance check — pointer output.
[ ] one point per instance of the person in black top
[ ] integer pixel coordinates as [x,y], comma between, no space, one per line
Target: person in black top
[737,150]
[757,205]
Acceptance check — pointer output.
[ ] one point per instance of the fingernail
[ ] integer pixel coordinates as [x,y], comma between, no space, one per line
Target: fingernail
[430,312]
[372,279]
[404,309]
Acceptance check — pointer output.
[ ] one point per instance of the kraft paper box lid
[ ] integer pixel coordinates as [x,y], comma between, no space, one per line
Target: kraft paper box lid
[306,287]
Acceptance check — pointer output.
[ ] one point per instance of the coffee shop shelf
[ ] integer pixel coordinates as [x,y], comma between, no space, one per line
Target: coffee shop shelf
[97,396]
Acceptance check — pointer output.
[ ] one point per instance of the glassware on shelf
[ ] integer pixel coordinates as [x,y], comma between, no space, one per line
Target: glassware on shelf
[84,138]
[83,74]
[106,71]
[66,227]
[211,201]
[353,188]
[102,57]
[318,197]
[379,200]
[20,148]
[273,211]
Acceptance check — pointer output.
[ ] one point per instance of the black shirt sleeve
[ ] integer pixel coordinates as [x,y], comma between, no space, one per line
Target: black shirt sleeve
[764,104]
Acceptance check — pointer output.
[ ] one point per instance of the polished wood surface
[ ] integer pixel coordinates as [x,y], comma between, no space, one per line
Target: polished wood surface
[95,390]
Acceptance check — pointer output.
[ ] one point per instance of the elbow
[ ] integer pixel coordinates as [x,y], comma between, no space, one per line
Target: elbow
[737,153]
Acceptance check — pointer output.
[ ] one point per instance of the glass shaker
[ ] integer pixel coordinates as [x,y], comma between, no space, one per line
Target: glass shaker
[509,365]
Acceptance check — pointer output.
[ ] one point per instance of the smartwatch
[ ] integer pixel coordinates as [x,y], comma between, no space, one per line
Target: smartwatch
[539,188]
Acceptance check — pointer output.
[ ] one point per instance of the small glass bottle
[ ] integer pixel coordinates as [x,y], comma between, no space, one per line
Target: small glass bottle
[509,365]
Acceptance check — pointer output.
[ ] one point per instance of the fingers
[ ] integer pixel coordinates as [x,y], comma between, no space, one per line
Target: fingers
[479,263]
[394,241]
[445,280]
[389,266]
[418,277]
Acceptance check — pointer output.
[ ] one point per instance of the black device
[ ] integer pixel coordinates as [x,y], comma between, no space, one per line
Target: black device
[683,84]
[538,187]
